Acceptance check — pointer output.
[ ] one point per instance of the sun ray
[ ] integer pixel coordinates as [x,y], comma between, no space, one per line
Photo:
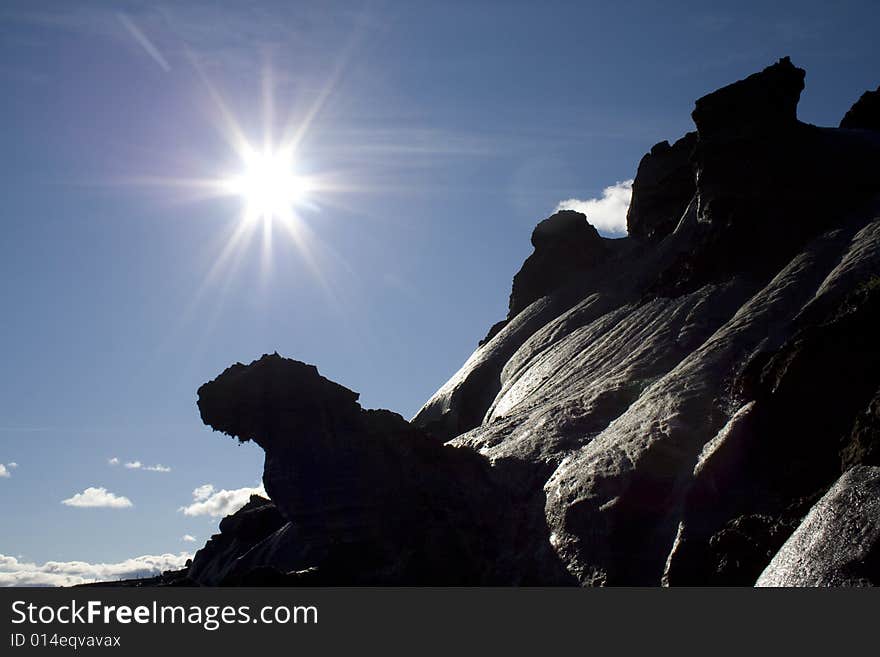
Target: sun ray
[231,129]
[266,259]
[268,105]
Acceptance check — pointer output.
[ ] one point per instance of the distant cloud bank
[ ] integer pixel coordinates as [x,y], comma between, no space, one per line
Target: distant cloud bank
[99,497]
[207,501]
[69,573]
[607,214]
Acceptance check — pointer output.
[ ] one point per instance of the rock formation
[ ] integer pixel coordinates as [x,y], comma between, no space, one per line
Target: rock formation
[247,527]
[566,248]
[663,187]
[865,114]
[838,543]
[369,497]
[696,403]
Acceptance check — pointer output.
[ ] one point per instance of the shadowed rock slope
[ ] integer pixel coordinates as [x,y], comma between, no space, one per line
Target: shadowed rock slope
[696,403]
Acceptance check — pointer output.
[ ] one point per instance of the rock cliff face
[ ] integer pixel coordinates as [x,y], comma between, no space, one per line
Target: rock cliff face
[696,403]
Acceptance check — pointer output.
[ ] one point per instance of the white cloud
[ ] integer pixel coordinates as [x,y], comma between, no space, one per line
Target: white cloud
[98,497]
[188,538]
[203,492]
[211,502]
[607,214]
[12,464]
[3,471]
[137,465]
[69,573]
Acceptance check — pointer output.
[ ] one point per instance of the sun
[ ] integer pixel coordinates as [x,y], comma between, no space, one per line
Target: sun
[268,184]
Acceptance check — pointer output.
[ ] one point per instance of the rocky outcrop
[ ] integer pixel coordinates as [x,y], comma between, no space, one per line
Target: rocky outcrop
[838,543]
[763,180]
[567,248]
[665,408]
[368,494]
[763,102]
[239,532]
[865,114]
[663,187]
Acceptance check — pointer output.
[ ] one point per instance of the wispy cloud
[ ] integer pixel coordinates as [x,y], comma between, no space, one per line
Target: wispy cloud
[4,473]
[133,465]
[207,501]
[607,213]
[157,468]
[188,538]
[113,461]
[12,464]
[99,497]
[70,573]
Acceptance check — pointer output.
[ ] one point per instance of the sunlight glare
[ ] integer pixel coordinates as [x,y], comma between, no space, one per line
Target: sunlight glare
[268,185]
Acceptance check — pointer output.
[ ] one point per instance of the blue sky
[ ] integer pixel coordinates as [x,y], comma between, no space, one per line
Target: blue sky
[448,130]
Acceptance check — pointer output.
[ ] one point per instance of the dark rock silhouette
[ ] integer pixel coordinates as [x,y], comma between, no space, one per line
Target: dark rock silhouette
[762,102]
[663,187]
[764,180]
[253,523]
[372,498]
[566,247]
[865,114]
[696,403]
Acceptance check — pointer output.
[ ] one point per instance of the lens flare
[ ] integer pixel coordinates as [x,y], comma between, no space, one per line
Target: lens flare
[268,184]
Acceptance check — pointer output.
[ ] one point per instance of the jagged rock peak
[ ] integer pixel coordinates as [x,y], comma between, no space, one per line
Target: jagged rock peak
[763,101]
[865,113]
[663,187]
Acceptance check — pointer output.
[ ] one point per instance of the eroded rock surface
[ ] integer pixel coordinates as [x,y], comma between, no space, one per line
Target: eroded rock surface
[662,408]
[838,543]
